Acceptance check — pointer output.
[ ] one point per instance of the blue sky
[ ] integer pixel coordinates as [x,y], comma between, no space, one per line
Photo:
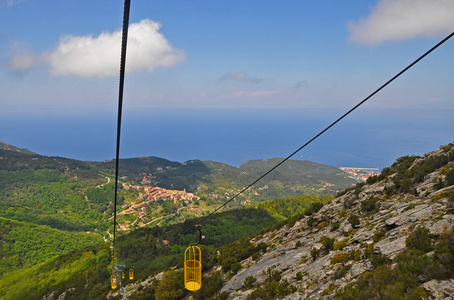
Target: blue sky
[62,57]
[230,54]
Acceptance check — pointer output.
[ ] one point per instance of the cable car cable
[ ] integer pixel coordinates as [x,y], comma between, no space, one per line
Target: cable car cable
[327,128]
[124,41]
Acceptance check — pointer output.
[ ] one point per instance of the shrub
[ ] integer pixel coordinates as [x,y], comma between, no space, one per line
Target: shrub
[315,253]
[369,205]
[303,259]
[444,252]
[313,208]
[450,177]
[298,244]
[439,184]
[341,271]
[378,235]
[383,283]
[419,239]
[373,179]
[335,226]
[340,244]
[379,259]
[340,258]
[311,221]
[223,296]
[235,267]
[328,243]
[171,286]
[356,255]
[210,286]
[323,224]
[249,281]
[331,288]
[354,220]
[404,280]
[299,276]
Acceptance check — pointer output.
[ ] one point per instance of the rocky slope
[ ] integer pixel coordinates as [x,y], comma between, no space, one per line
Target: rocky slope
[389,238]
[364,228]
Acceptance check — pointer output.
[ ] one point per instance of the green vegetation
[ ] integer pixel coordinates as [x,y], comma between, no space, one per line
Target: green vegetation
[142,246]
[413,268]
[410,170]
[340,258]
[24,245]
[283,209]
[221,181]
[142,249]
[249,281]
[82,273]
[354,220]
[273,287]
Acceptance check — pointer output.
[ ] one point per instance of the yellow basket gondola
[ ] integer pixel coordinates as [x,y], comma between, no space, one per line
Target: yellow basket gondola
[193,268]
[131,274]
[113,281]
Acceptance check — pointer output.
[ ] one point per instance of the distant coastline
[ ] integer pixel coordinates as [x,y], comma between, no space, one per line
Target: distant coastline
[230,138]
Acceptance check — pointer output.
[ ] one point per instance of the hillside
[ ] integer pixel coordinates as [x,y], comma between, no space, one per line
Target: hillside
[52,206]
[69,194]
[390,238]
[223,181]
[7,147]
[47,207]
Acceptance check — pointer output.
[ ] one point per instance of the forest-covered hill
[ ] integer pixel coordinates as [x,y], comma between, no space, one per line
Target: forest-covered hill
[294,177]
[75,195]
[390,237]
[84,273]
[52,206]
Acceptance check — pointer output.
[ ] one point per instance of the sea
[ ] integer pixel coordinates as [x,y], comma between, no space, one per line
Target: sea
[364,139]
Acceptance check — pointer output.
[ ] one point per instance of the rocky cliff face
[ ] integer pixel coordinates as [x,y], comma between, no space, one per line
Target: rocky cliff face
[365,228]
[391,238]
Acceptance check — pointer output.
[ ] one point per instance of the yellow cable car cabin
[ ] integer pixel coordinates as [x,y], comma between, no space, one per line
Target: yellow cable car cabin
[193,268]
[131,274]
[122,274]
[113,281]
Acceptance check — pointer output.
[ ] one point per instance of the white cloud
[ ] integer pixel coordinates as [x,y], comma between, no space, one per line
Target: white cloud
[21,60]
[257,93]
[10,3]
[393,20]
[240,76]
[89,56]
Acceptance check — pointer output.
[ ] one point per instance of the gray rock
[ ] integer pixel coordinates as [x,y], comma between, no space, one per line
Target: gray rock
[358,269]
[412,215]
[433,194]
[282,259]
[440,289]
[440,227]
[390,248]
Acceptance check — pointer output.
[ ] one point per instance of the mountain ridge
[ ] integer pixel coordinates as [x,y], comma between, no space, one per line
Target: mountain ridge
[299,177]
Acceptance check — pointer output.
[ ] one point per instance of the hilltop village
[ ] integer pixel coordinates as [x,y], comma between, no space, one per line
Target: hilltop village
[150,194]
[361,174]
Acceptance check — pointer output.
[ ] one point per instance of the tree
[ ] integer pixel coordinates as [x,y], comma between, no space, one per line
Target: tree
[171,286]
